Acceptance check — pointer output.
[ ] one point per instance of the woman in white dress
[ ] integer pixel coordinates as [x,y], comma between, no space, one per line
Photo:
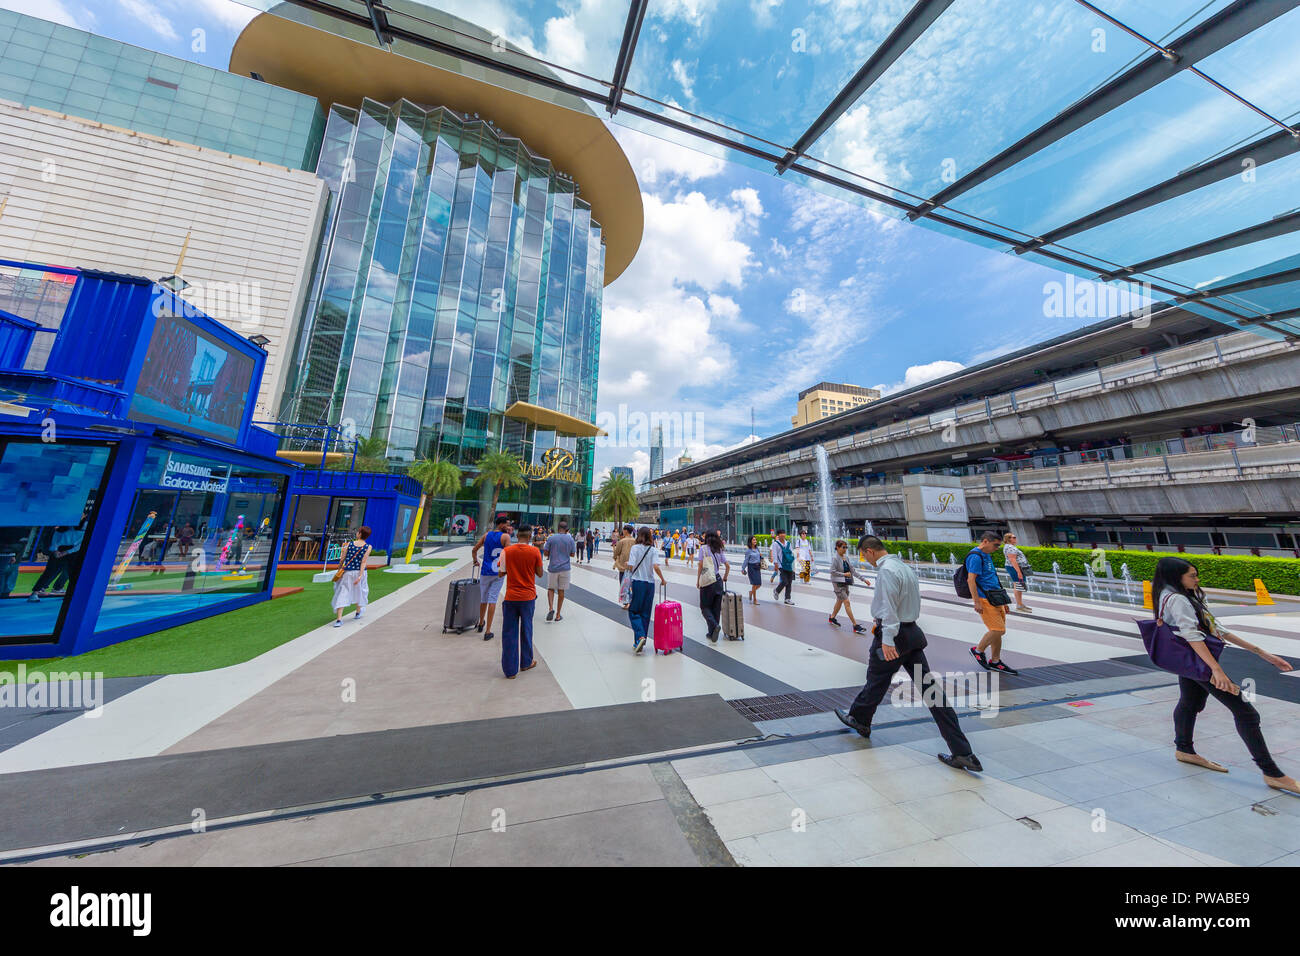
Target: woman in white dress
[350,585]
[803,554]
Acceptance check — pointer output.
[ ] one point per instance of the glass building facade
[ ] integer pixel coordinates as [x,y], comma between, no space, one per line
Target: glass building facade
[459,273]
[70,71]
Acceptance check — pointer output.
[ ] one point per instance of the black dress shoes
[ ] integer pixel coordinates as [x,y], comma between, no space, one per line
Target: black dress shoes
[857,725]
[969,762]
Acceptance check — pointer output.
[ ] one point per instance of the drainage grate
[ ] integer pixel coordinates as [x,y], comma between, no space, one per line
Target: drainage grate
[779,706]
[775,707]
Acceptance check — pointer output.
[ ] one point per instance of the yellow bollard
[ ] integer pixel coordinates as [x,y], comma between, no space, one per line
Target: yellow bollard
[1146,596]
[415,533]
[1261,593]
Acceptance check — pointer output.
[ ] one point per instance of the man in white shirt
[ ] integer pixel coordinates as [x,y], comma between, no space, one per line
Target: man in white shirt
[783,560]
[896,604]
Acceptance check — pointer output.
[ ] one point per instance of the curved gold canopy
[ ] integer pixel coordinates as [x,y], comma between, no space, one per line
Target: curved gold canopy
[313,457]
[336,69]
[557,422]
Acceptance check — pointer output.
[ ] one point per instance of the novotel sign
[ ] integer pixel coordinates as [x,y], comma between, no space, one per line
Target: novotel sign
[556,464]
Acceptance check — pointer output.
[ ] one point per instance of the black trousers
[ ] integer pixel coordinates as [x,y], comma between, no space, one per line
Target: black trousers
[56,570]
[711,607]
[879,675]
[1192,695]
[787,582]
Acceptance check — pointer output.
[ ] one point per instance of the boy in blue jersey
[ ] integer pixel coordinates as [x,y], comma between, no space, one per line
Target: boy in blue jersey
[490,580]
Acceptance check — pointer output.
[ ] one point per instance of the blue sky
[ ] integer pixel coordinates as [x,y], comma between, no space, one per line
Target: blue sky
[749,287]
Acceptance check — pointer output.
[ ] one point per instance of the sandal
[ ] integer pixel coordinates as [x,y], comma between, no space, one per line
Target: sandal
[1198,761]
[1285,784]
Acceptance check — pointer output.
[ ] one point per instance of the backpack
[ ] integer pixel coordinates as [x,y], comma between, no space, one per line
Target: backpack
[960,581]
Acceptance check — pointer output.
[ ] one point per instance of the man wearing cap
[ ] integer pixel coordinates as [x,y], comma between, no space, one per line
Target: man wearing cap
[493,544]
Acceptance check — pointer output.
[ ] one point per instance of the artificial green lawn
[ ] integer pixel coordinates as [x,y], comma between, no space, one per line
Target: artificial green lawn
[224,639]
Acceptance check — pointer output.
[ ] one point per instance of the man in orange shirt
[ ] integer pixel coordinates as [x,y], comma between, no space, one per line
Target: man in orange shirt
[521,564]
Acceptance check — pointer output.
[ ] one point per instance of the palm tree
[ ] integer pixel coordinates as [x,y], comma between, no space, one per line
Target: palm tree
[438,479]
[369,456]
[616,498]
[496,470]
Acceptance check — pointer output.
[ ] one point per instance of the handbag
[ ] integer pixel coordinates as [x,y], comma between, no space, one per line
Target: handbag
[708,572]
[625,588]
[1171,652]
[338,576]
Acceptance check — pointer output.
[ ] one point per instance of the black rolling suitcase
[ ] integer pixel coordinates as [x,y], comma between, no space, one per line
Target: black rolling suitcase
[462,606]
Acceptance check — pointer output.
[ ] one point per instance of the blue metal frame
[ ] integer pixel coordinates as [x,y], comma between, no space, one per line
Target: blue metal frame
[92,373]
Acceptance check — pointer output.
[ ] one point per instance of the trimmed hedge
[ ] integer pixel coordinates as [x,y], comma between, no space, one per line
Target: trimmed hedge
[1230,572]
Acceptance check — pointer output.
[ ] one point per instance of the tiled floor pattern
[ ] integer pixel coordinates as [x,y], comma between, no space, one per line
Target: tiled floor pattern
[1068,769]
[1077,786]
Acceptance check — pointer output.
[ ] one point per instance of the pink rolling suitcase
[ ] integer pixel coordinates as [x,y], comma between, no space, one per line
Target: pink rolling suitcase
[667,628]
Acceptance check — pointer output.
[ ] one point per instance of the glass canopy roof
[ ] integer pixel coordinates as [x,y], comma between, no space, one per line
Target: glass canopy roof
[1151,141]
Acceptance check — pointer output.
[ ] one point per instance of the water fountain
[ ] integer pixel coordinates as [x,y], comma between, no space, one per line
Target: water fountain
[826,494]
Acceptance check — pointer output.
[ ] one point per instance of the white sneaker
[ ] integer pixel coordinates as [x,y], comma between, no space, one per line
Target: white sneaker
[338,623]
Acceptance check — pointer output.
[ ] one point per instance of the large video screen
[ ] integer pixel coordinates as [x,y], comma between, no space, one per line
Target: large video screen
[192,382]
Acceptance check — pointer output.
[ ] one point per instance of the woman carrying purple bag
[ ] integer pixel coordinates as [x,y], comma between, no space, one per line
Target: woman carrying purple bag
[1180,603]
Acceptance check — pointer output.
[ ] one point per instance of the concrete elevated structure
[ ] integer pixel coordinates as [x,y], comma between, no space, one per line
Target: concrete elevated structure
[1057,437]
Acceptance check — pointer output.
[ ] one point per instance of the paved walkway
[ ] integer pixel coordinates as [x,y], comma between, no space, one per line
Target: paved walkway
[1077,754]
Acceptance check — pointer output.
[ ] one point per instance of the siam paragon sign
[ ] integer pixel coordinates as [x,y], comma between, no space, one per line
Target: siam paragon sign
[557,464]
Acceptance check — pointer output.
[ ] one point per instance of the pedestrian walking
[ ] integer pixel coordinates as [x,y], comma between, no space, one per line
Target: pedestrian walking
[711,572]
[559,549]
[1180,603]
[897,642]
[803,554]
[492,544]
[522,566]
[841,574]
[350,584]
[643,565]
[990,600]
[752,566]
[1017,571]
[783,560]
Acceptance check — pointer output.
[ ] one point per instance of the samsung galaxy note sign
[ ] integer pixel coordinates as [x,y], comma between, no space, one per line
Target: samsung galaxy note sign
[943,504]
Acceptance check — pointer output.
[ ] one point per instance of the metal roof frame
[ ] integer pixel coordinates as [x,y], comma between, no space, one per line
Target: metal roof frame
[1235,21]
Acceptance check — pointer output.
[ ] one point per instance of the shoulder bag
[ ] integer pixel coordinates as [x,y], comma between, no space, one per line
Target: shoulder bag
[1171,652]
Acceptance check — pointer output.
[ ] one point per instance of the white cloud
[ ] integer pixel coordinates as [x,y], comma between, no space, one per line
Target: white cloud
[682,74]
[748,200]
[660,162]
[920,374]
[150,17]
[229,13]
[667,319]
[47,10]
[688,241]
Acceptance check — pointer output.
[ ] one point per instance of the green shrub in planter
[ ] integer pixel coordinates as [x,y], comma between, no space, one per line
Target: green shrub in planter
[1230,572]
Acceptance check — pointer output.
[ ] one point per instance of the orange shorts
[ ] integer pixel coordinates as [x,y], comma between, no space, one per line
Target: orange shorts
[995,618]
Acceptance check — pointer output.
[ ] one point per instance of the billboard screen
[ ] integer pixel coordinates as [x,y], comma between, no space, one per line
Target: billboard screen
[192,382]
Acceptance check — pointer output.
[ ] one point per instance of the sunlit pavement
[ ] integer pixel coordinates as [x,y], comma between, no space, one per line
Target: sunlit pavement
[1078,759]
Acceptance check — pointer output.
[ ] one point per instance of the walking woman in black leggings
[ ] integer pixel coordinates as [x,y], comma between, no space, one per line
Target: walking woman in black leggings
[1179,601]
[713,563]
